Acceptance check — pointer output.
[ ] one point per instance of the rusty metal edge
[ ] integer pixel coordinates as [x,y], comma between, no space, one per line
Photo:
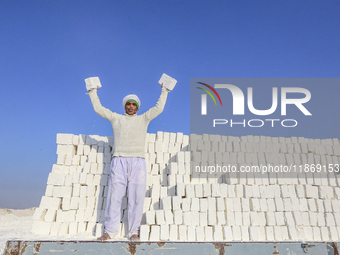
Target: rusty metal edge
[165,242]
[335,248]
[21,245]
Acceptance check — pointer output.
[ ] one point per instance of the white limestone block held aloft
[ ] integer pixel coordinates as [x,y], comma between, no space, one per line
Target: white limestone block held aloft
[92,83]
[167,81]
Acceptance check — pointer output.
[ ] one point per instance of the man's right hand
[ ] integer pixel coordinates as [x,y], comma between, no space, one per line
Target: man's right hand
[93,89]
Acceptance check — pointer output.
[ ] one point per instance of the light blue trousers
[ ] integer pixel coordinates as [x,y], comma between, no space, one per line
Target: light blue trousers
[125,173]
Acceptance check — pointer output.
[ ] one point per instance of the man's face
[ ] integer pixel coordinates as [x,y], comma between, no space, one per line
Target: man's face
[131,107]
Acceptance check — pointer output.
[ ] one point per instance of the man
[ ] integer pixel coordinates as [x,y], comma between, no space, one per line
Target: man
[128,168]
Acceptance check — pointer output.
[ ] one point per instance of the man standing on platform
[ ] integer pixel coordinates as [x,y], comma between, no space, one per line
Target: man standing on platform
[128,167]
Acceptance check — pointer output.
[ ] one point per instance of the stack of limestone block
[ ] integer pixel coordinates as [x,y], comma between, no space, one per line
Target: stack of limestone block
[180,206]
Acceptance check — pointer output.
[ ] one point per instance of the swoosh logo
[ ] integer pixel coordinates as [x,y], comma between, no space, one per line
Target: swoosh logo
[209,93]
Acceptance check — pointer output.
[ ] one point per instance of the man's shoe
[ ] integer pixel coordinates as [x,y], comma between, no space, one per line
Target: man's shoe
[134,238]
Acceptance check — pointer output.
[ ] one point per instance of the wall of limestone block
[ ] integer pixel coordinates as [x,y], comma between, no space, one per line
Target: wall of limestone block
[179,207]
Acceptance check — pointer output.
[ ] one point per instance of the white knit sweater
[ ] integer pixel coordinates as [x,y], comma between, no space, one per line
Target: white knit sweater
[129,131]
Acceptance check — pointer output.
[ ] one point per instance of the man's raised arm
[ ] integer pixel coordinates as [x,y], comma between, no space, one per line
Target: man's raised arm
[158,108]
[97,106]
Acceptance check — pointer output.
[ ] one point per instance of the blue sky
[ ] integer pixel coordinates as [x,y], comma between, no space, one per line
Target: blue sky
[48,48]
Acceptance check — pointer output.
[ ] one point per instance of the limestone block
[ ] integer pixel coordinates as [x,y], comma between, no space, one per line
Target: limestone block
[256,191]
[220,204]
[330,222]
[221,218]
[212,217]
[144,233]
[39,214]
[255,204]
[83,191]
[187,218]
[65,138]
[305,219]
[257,233]
[194,205]
[189,190]
[56,179]
[279,204]
[270,218]
[41,228]
[160,218]
[49,190]
[211,204]
[60,191]
[328,206]
[50,203]
[203,218]
[66,216]
[73,228]
[236,230]
[245,233]
[191,233]
[279,218]
[55,228]
[199,233]
[163,192]
[186,204]
[278,235]
[176,203]
[271,204]
[180,189]
[166,203]
[206,190]
[90,190]
[86,150]
[289,219]
[173,233]
[313,217]
[311,204]
[325,234]
[269,233]
[66,203]
[230,217]
[155,233]
[203,204]
[245,204]
[215,190]
[300,191]
[150,217]
[169,218]
[88,213]
[155,192]
[321,220]
[164,232]
[178,217]
[74,203]
[287,204]
[68,160]
[239,190]
[182,233]
[198,190]
[248,191]
[80,215]
[337,218]
[236,204]
[333,233]
[228,233]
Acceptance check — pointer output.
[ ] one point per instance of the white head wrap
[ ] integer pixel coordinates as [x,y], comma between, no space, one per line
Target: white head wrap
[131,97]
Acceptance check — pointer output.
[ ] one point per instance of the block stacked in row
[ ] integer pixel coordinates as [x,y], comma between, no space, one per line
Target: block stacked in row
[76,190]
[246,206]
[181,205]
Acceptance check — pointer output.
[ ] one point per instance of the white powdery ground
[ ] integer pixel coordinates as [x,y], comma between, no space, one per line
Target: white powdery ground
[17,224]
